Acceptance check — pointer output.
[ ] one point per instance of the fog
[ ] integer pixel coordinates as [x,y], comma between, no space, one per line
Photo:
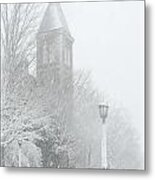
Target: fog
[109,42]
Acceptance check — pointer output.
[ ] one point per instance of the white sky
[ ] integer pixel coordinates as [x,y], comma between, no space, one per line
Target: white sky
[109,42]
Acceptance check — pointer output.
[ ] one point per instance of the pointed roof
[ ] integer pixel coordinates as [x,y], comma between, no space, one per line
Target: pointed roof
[53,19]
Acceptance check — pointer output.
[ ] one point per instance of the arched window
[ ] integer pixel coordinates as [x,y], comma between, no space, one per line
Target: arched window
[51,54]
[67,56]
[45,53]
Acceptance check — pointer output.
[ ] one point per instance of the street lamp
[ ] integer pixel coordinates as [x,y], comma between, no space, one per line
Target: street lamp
[103,111]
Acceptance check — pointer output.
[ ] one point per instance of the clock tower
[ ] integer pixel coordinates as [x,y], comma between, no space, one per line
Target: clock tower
[54,49]
[54,61]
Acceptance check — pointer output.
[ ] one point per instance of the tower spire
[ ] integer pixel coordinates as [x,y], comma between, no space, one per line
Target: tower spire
[53,19]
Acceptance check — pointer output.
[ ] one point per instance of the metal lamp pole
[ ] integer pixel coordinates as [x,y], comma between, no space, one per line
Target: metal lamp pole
[19,153]
[103,110]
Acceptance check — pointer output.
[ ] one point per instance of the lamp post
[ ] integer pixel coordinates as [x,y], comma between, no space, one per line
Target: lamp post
[19,152]
[103,111]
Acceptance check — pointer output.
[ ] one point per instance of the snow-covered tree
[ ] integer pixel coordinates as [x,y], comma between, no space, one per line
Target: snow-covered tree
[86,121]
[124,142]
[17,87]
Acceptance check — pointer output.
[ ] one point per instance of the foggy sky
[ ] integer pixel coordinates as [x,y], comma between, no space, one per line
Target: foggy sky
[109,42]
